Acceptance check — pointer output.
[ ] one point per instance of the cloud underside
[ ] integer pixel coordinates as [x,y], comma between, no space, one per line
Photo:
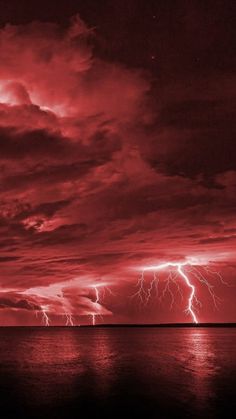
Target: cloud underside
[95,180]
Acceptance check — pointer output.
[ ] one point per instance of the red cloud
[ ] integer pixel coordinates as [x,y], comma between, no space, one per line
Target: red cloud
[96,182]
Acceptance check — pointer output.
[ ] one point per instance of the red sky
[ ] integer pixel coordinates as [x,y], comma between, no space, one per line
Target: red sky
[117,148]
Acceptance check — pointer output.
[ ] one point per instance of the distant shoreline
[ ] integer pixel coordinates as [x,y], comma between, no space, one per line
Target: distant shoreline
[135,325]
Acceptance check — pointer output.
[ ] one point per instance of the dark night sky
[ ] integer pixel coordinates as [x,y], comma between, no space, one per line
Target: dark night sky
[185,37]
[117,152]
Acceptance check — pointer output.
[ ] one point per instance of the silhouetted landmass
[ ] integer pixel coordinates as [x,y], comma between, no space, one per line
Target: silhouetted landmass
[165,325]
[158,325]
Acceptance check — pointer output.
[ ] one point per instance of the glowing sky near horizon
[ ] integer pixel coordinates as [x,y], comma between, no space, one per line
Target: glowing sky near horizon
[109,166]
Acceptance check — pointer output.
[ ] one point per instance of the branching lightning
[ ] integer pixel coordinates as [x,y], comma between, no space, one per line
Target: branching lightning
[45,317]
[186,271]
[56,294]
[190,307]
[57,299]
[68,315]
[96,302]
[69,320]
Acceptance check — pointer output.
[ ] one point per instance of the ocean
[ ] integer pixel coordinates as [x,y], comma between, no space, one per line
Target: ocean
[124,372]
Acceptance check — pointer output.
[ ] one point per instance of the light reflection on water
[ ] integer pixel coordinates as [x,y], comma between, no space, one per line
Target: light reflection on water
[181,372]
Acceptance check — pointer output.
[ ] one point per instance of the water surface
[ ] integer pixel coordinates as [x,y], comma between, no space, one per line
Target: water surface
[127,372]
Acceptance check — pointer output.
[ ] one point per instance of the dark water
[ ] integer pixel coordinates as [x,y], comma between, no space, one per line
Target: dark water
[123,372]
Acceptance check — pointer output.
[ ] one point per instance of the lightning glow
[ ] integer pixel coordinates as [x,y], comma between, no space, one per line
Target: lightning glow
[96,302]
[69,320]
[192,294]
[185,270]
[45,317]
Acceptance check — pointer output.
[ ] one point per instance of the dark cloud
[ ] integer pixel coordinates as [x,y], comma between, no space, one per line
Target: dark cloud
[196,139]
[217,239]
[106,168]
[18,304]
[8,258]
[39,143]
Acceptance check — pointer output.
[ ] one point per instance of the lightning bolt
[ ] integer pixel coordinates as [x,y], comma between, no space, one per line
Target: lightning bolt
[184,270]
[96,302]
[101,290]
[192,294]
[93,319]
[69,319]
[68,314]
[45,317]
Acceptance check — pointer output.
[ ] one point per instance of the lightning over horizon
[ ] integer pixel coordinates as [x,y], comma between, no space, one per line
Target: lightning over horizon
[112,156]
[162,282]
[184,270]
[69,320]
[96,303]
[117,208]
[45,318]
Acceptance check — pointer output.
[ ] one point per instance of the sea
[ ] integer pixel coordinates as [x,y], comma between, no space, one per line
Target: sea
[117,372]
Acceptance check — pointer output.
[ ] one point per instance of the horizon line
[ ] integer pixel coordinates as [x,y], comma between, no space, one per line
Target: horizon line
[107,325]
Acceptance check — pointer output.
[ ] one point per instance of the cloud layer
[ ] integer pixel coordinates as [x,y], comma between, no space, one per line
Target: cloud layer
[97,181]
